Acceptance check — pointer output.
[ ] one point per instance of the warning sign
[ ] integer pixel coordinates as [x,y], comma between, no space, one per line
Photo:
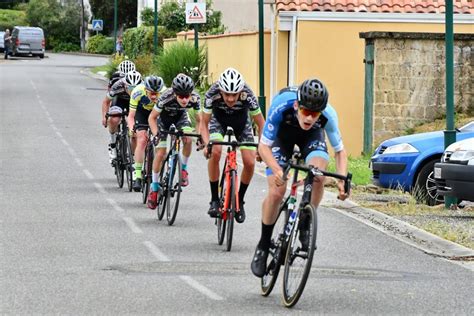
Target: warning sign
[195,13]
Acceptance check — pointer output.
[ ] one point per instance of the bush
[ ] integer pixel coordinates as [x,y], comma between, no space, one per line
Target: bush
[11,18]
[181,57]
[144,64]
[66,47]
[99,44]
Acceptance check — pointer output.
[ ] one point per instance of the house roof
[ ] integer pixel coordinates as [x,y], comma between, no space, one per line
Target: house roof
[375,6]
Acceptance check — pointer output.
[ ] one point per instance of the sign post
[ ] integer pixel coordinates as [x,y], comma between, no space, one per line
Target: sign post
[195,14]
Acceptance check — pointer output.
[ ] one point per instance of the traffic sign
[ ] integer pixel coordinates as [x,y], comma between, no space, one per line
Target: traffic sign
[195,13]
[97,25]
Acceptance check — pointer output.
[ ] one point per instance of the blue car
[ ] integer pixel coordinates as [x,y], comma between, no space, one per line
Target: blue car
[407,163]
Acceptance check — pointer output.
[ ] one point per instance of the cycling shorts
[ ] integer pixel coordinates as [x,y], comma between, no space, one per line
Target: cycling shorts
[141,119]
[311,144]
[181,122]
[242,132]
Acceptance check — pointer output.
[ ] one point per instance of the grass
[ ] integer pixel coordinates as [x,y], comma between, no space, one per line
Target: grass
[359,167]
[100,68]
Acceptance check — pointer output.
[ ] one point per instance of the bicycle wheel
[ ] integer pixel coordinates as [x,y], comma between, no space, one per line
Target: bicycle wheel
[147,172]
[118,164]
[162,198]
[174,189]
[127,160]
[221,224]
[277,250]
[230,212]
[298,261]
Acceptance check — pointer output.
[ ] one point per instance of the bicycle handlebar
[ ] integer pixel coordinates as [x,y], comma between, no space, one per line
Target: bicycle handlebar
[318,172]
[179,133]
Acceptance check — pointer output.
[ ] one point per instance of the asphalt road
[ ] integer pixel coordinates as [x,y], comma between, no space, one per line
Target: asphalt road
[71,242]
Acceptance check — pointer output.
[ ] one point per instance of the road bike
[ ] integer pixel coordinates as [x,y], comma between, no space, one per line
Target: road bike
[147,170]
[170,176]
[228,188]
[288,245]
[123,163]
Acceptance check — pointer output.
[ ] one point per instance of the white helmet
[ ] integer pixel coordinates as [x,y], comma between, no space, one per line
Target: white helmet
[133,78]
[231,81]
[126,66]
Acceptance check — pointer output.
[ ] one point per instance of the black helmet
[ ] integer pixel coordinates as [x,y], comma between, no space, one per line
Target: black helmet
[313,95]
[182,84]
[153,83]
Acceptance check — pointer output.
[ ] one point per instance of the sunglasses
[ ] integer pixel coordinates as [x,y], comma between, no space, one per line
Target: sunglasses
[152,93]
[184,96]
[307,112]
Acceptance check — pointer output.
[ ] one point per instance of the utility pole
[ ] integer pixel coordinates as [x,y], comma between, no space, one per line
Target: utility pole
[449,133]
[155,33]
[115,22]
[261,61]
[196,28]
[82,31]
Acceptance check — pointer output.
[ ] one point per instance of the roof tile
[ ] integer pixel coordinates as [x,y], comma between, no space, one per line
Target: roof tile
[375,6]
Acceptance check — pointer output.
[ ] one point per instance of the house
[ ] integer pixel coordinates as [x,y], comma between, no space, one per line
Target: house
[321,38]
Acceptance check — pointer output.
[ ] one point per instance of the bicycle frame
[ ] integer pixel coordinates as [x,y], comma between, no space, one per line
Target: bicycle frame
[230,168]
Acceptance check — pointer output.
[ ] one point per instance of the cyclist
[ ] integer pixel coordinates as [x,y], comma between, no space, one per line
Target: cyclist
[229,102]
[119,96]
[142,100]
[297,116]
[172,109]
[119,100]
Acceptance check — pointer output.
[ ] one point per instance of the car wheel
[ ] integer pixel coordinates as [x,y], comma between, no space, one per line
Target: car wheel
[425,190]
[41,56]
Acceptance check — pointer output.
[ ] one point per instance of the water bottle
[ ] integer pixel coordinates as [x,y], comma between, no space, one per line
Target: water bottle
[291,220]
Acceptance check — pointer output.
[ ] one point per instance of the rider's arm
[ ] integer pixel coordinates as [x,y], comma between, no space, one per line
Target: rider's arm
[260,121]
[152,121]
[197,117]
[265,153]
[105,108]
[206,117]
[131,119]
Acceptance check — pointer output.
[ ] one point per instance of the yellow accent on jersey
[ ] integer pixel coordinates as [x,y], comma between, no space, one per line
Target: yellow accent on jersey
[138,98]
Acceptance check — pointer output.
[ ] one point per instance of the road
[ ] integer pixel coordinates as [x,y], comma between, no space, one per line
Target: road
[72,242]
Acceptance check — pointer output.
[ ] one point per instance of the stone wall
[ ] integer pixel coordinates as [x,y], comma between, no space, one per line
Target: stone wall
[409,80]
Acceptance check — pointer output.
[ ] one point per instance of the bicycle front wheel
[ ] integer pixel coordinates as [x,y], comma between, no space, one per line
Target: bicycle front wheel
[127,160]
[277,250]
[163,197]
[299,257]
[118,164]
[221,224]
[230,212]
[174,189]
[147,172]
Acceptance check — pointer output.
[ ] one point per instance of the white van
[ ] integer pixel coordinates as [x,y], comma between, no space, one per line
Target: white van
[27,40]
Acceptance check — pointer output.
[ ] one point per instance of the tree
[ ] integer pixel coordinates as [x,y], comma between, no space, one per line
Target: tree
[60,22]
[104,10]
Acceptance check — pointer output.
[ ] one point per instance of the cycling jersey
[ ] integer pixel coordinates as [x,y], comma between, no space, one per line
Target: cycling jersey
[282,130]
[113,79]
[282,113]
[119,89]
[142,105]
[236,117]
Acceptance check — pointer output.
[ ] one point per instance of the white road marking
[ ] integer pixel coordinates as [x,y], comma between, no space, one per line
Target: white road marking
[64,142]
[50,119]
[71,151]
[59,134]
[53,127]
[189,280]
[88,174]
[79,162]
[132,225]
[100,188]
[156,252]
[200,288]
[115,205]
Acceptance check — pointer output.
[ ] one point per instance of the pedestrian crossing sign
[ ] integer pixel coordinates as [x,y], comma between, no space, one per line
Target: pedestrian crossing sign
[195,13]
[97,25]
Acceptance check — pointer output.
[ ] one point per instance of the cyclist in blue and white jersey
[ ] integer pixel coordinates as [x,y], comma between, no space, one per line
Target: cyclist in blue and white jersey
[298,116]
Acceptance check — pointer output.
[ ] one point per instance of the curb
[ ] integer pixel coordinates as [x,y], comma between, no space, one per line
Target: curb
[80,54]
[89,73]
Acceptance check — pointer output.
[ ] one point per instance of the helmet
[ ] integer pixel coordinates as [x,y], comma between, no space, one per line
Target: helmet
[126,66]
[182,84]
[133,78]
[231,81]
[313,95]
[154,83]
[116,76]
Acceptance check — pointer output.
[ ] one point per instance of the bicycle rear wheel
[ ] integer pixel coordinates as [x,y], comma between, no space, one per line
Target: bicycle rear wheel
[277,250]
[221,223]
[298,260]
[231,212]
[163,197]
[118,164]
[147,172]
[127,160]
[174,189]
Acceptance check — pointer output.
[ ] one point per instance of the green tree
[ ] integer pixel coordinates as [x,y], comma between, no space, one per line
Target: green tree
[60,22]
[104,10]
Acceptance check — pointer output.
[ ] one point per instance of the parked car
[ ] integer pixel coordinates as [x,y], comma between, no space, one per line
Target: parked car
[2,43]
[454,175]
[27,40]
[407,163]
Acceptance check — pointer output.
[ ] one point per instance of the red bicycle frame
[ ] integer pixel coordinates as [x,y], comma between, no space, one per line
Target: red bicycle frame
[230,166]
